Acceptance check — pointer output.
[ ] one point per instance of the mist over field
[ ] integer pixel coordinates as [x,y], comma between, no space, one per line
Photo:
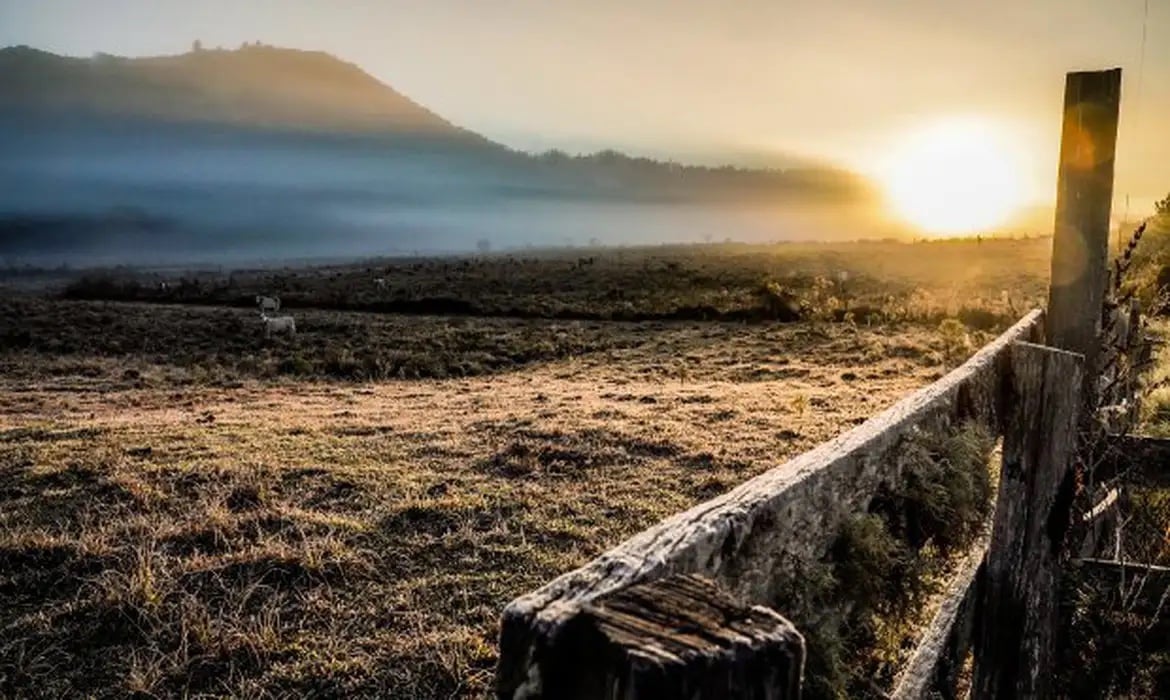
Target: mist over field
[162,194]
[106,161]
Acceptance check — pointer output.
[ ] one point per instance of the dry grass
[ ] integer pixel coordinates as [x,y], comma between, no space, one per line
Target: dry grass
[187,509]
[196,344]
[300,538]
[1147,530]
[986,283]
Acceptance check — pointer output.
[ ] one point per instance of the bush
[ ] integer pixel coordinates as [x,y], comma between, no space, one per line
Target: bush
[340,363]
[1149,273]
[296,365]
[982,319]
[858,606]
[955,339]
[102,287]
[779,303]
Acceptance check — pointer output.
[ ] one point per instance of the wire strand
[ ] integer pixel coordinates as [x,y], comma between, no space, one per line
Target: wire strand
[1142,54]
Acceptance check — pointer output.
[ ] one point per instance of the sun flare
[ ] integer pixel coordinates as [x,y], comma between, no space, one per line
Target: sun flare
[955,177]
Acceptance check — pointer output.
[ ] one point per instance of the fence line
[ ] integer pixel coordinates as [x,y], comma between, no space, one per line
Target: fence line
[748,544]
[753,537]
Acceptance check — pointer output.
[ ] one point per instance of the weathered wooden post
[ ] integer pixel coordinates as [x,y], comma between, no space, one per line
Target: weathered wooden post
[1084,198]
[1080,245]
[1016,646]
[678,637]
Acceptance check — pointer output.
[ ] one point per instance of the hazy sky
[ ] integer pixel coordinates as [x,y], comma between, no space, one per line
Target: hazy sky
[748,81]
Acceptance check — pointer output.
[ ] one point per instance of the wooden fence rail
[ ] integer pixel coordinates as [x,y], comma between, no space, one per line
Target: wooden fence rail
[933,669]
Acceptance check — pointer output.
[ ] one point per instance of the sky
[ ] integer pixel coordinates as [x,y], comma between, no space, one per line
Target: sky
[751,82]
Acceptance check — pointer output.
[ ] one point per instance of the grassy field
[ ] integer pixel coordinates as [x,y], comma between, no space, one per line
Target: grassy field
[186,344]
[982,282]
[188,509]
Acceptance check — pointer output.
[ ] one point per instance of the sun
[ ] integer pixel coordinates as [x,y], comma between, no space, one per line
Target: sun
[955,177]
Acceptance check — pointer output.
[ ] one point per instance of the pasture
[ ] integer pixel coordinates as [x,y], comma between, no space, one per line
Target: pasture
[190,508]
[985,282]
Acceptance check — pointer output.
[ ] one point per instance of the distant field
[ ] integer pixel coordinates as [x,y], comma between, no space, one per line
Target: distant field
[200,344]
[986,283]
[187,508]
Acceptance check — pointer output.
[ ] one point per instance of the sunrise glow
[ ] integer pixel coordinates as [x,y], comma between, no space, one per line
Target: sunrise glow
[955,177]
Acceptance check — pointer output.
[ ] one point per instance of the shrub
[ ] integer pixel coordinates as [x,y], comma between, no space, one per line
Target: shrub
[857,606]
[342,364]
[102,287]
[955,340]
[294,365]
[982,319]
[779,303]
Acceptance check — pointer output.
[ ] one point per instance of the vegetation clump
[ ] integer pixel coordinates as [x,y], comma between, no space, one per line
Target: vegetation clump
[1146,260]
[860,607]
[1111,646]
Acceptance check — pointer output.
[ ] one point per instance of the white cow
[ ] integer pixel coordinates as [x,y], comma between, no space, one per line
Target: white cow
[380,283]
[267,304]
[278,324]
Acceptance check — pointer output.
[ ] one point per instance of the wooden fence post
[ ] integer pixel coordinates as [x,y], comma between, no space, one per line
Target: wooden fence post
[1084,198]
[1016,645]
[678,637]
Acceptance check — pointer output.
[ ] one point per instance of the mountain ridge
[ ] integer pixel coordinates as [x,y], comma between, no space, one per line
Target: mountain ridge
[249,86]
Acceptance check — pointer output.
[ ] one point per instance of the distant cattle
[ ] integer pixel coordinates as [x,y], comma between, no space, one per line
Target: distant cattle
[268,304]
[278,324]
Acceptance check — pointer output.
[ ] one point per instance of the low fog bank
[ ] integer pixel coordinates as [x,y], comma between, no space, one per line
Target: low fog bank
[77,192]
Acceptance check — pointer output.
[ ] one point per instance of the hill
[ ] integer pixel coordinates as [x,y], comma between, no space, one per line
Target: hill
[255,85]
